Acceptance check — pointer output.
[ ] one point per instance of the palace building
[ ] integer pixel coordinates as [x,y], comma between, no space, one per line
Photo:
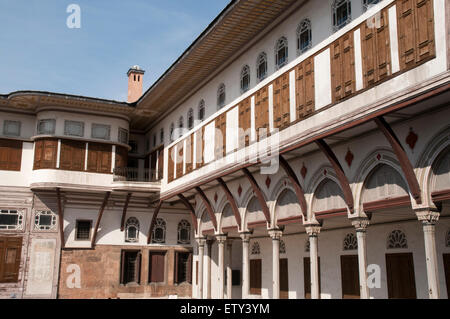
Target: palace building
[297,149]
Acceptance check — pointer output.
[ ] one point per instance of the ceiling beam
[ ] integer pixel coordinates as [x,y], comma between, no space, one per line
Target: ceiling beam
[208,206]
[124,212]
[152,223]
[294,181]
[258,193]
[99,218]
[191,210]
[231,200]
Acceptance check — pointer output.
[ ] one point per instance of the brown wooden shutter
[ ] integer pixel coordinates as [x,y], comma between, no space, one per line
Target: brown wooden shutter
[138,267]
[199,147]
[262,112]
[10,155]
[406,33]
[38,150]
[244,122]
[446,258]
[161,162]
[11,254]
[175,268]
[277,113]
[307,277]
[189,153]
[99,158]
[342,67]
[72,155]
[157,266]
[179,158]
[400,276]
[170,161]
[255,276]
[49,153]
[189,269]
[424,29]
[350,277]
[122,267]
[220,135]
[285,102]
[284,279]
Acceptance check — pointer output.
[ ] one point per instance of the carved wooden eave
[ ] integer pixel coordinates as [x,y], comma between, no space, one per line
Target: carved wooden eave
[152,223]
[99,219]
[191,210]
[208,206]
[124,212]
[294,181]
[258,193]
[231,201]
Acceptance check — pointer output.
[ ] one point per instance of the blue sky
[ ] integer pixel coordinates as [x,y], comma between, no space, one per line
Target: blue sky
[39,51]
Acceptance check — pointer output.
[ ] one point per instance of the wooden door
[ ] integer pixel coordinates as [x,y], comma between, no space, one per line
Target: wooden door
[307,277]
[157,266]
[447,272]
[284,279]
[350,277]
[255,276]
[400,276]
[10,254]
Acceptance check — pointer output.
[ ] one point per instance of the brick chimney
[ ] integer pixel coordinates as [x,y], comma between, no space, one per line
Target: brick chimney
[135,78]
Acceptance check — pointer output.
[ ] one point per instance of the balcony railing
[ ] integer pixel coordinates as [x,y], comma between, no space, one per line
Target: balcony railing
[133,174]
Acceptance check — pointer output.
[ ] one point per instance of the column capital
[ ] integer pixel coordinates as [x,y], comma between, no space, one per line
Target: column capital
[245,236]
[360,224]
[201,241]
[427,216]
[221,238]
[275,234]
[313,230]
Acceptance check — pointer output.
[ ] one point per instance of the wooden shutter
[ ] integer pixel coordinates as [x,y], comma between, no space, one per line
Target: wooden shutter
[157,265]
[196,272]
[189,269]
[99,158]
[262,112]
[10,155]
[38,149]
[170,162]
[447,272]
[415,31]
[342,67]
[72,155]
[189,153]
[121,157]
[376,55]
[284,279]
[304,88]
[138,267]
[122,267]
[45,152]
[175,268]
[161,162]
[255,276]
[400,276]
[220,135]
[244,122]
[179,158]
[307,277]
[199,141]
[350,277]
[11,254]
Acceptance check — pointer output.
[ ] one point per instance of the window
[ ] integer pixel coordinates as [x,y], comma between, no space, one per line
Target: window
[180,126]
[130,271]
[10,155]
[245,78]
[221,96]
[201,110]
[172,128]
[132,230]
[161,136]
[123,136]
[11,219]
[255,249]
[74,128]
[11,128]
[183,270]
[156,266]
[184,232]
[282,247]
[281,52]
[350,242]
[10,255]
[190,118]
[134,147]
[46,126]
[342,14]
[397,239]
[101,131]
[304,36]
[44,220]
[261,66]
[368,3]
[159,231]
[99,158]
[83,230]
[255,276]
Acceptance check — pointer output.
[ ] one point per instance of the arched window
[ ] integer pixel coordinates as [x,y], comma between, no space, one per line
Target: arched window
[132,230]
[172,128]
[159,231]
[221,96]
[201,110]
[307,244]
[255,248]
[368,3]
[304,38]
[447,239]
[350,242]
[161,136]
[261,66]
[342,13]
[190,118]
[282,247]
[281,52]
[184,232]
[180,125]
[245,78]
[397,239]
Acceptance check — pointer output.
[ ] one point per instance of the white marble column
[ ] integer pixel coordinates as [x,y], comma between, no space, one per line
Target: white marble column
[229,269]
[275,234]
[360,225]
[245,265]
[313,232]
[208,269]
[221,239]
[429,219]
[201,249]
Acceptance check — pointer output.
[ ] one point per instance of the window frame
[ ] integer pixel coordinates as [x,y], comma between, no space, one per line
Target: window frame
[66,130]
[49,132]
[53,223]
[183,225]
[221,91]
[123,135]
[262,59]
[201,110]
[77,228]
[245,72]
[304,26]
[190,118]
[19,226]
[366,4]
[6,124]
[334,10]
[282,43]
[98,125]
[159,223]
[132,222]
